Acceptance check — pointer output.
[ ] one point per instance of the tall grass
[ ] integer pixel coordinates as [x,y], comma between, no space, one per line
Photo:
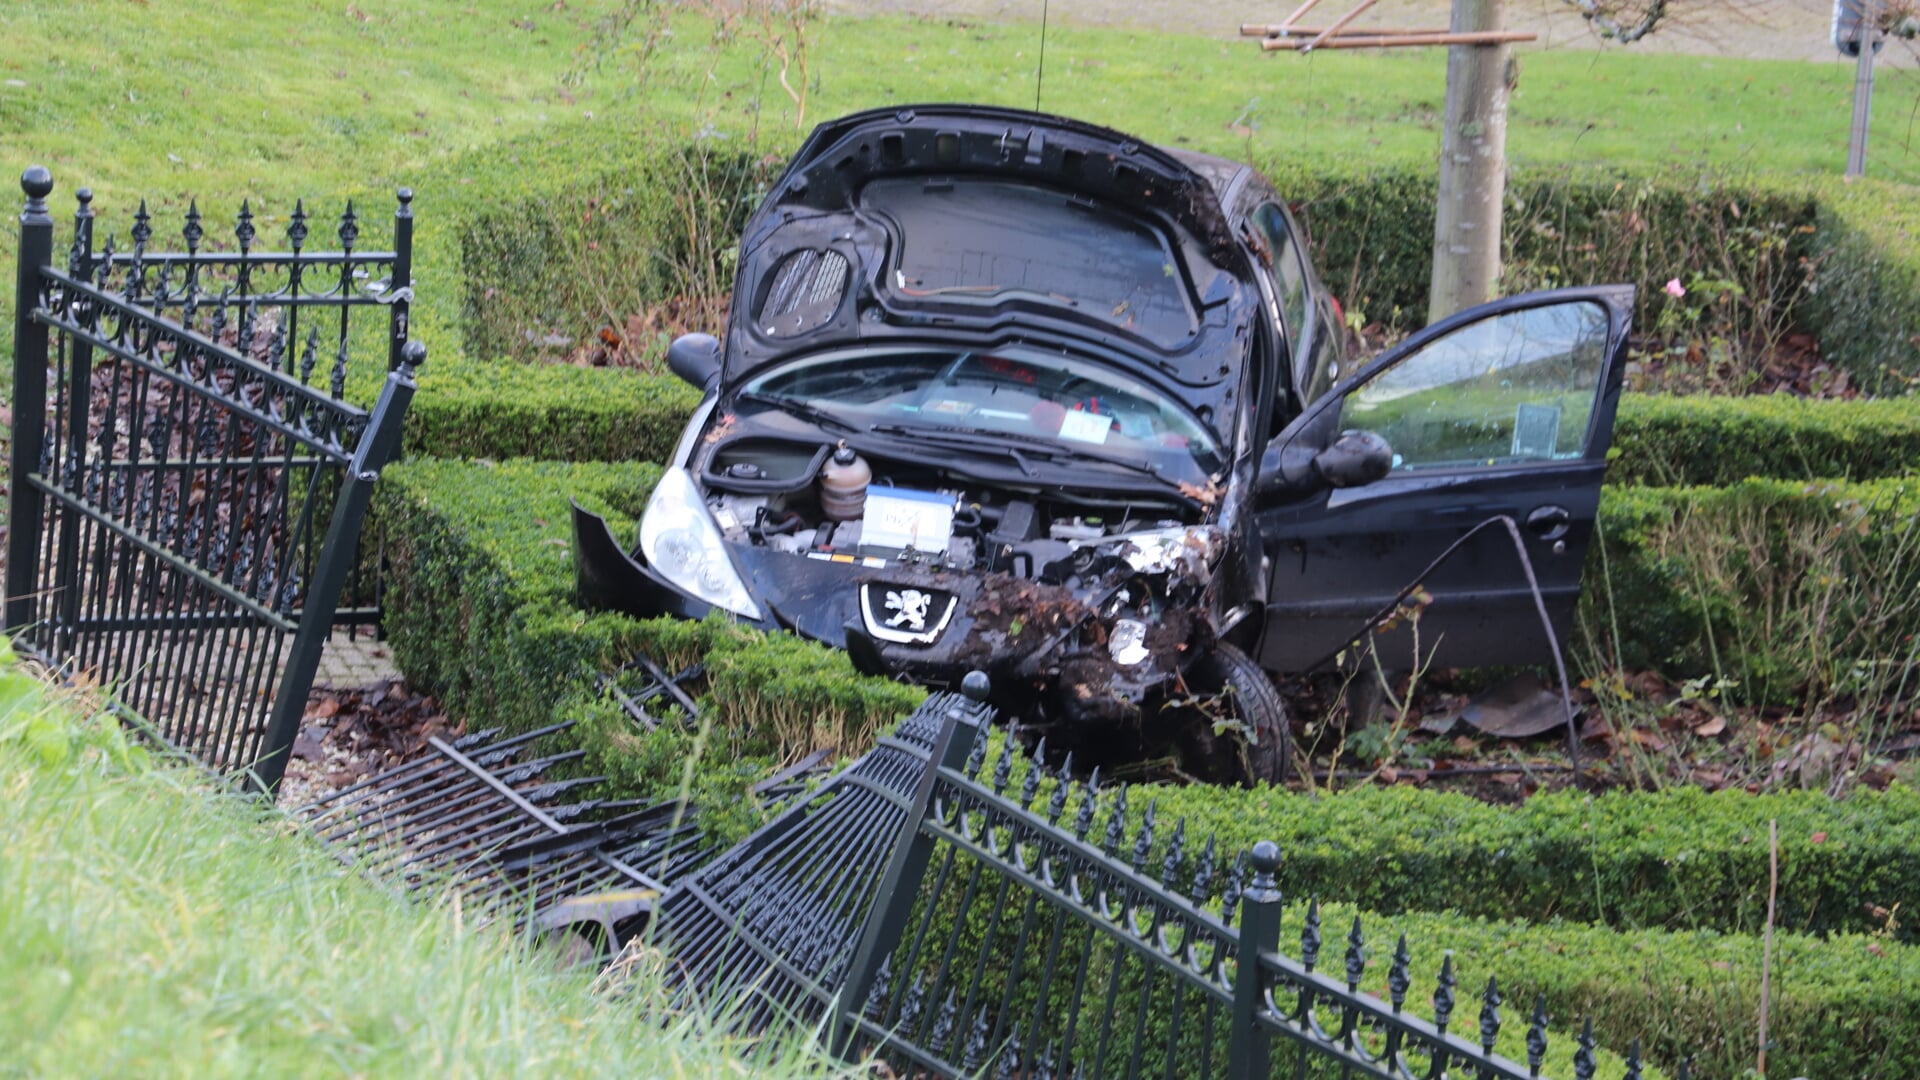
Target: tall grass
[155,924]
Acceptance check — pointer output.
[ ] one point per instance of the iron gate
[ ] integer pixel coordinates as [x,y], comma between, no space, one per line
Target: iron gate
[188,478]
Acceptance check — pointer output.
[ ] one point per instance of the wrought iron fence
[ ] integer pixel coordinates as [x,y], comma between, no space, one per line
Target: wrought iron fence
[188,477]
[769,926]
[480,816]
[1021,938]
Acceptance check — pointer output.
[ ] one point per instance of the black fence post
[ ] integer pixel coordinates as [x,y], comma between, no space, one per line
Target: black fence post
[893,902]
[73,404]
[400,283]
[29,401]
[378,444]
[1249,1045]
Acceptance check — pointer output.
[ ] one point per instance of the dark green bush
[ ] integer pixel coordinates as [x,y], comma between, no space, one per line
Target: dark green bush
[1866,306]
[480,612]
[614,219]
[1707,440]
[569,413]
[1843,1004]
[558,413]
[1847,1005]
[1678,859]
[1793,590]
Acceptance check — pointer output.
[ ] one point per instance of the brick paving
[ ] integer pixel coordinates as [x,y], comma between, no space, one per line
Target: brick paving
[348,664]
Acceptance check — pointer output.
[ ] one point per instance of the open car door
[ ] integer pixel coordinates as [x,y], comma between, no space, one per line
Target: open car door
[1507,410]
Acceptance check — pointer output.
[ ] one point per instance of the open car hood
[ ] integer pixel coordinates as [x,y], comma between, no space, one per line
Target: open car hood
[978,225]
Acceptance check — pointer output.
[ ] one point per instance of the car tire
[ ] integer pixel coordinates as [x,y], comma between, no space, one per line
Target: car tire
[1236,689]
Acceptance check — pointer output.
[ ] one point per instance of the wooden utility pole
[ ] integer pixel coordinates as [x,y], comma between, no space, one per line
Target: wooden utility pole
[1473,164]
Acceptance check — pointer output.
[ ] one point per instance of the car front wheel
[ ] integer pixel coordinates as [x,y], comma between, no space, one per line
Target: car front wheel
[1233,723]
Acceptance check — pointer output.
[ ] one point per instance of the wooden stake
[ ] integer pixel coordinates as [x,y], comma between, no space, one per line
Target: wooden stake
[1306,6]
[1338,24]
[1419,38]
[1766,959]
[1279,31]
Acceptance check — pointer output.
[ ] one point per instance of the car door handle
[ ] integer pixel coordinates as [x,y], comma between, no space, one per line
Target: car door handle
[1550,522]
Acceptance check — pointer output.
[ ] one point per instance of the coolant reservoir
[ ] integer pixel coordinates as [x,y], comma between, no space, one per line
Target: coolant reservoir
[843,485]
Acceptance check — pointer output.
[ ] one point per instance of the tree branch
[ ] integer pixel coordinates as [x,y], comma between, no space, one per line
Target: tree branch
[1606,17]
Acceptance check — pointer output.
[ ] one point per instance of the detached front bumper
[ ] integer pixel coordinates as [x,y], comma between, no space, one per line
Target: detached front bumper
[607,578]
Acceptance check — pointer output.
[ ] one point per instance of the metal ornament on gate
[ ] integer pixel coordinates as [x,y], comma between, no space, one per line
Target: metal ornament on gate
[188,480]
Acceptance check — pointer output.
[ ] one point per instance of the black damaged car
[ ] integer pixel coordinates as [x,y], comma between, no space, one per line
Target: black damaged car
[1010,392]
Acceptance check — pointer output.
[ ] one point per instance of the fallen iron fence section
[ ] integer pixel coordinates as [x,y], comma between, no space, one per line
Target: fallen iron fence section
[1011,944]
[478,815]
[188,478]
[934,915]
[769,926]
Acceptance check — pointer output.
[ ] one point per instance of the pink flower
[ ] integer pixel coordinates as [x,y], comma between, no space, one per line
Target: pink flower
[1675,289]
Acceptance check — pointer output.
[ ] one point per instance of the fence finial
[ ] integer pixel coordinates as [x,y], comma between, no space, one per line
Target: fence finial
[976,686]
[414,355]
[37,182]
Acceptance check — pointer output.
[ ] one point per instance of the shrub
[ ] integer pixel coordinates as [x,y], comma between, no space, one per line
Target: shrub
[1706,440]
[1790,589]
[1843,1004]
[558,413]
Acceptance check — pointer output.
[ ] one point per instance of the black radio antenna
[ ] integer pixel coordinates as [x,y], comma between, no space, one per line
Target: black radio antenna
[1040,72]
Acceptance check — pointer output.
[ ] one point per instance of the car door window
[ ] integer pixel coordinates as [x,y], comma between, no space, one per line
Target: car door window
[1288,272]
[1511,388]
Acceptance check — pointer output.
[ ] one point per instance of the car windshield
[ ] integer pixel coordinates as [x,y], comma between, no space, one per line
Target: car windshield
[1066,405]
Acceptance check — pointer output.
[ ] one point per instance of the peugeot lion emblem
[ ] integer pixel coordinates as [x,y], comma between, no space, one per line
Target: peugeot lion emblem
[906,615]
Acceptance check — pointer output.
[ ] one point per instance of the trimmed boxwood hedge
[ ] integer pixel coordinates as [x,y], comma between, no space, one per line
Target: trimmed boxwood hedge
[1708,440]
[1841,1006]
[495,236]
[568,413]
[479,613]
[1791,589]
[1675,859]
[556,413]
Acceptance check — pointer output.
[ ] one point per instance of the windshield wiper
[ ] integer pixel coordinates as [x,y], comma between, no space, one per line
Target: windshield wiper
[971,438]
[988,439]
[817,416]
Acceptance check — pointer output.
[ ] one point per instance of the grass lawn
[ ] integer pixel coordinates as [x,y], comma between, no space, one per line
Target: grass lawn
[236,98]
[151,925]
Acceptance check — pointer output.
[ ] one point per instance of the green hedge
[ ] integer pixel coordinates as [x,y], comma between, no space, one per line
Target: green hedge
[1866,254]
[1846,1005]
[479,613]
[1794,590]
[1842,1004]
[1708,440]
[567,413]
[568,229]
[558,413]
[1676,859]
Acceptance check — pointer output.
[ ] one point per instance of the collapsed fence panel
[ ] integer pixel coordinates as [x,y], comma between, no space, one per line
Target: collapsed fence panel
[188,481]
[481,817]
[1021,936]
[767,928]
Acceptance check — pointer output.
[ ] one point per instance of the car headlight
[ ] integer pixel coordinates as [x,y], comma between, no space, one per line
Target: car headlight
[679,538]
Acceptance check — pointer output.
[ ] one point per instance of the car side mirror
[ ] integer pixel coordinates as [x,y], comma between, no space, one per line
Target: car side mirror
[1355,458]
[696,359]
